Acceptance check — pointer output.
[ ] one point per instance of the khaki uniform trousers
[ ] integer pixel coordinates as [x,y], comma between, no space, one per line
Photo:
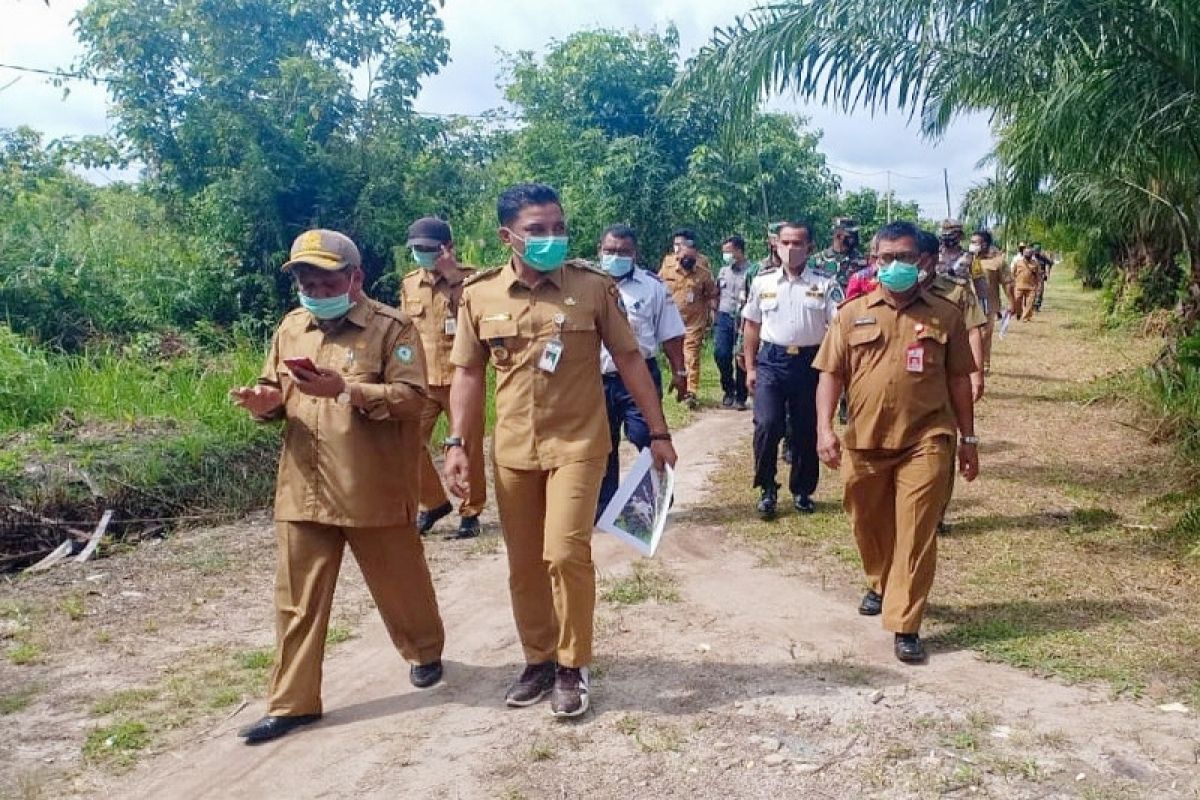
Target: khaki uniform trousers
[547,517]
[895,499]
[693,346]
[309,557]
[986,335]
[1025,298]
[433,495]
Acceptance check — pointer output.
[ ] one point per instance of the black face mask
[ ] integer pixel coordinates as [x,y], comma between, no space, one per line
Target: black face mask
[687,262]
[950,241]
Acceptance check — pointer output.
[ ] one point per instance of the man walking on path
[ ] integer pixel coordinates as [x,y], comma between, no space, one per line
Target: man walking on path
[732,285]
[903,357]
[690,280]
[997,278]
[788,311]
[540,321]
[348,376]
[1027,280]
[656,323]
[430,296]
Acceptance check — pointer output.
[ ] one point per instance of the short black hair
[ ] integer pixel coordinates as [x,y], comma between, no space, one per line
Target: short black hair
[620,230]
[684,233]
[928,244]
[900,229]
[985,235]
[514,198]
[800,224]
[737,241]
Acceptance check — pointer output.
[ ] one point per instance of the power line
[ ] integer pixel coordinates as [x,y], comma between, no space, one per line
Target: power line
[57,73]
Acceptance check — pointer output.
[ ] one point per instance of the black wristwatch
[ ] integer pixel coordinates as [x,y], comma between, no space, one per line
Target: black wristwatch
[660,437]
[451,441]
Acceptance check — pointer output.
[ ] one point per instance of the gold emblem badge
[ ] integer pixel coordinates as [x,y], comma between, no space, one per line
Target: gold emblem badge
[311,240]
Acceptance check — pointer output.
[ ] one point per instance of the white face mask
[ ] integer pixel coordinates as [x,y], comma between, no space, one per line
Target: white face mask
[974,248]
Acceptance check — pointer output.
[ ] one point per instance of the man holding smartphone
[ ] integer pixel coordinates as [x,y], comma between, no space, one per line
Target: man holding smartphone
[347,376]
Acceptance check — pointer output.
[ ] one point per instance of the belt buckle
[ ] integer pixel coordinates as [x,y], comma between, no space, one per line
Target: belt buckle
[793,350]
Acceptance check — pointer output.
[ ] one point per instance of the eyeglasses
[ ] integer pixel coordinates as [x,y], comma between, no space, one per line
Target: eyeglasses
[887,258]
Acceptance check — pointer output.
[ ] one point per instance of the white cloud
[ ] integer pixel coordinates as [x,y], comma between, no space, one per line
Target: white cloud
[41,36]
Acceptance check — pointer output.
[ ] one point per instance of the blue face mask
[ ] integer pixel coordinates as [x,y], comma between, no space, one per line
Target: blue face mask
[544,253]
[326,307]
[424,259]
[617,266]
[898,276]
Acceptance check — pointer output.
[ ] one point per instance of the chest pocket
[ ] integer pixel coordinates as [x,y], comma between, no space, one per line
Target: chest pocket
[414,308]
[865,335]
[934,344]
[768,304]
[814,302]
[501,336]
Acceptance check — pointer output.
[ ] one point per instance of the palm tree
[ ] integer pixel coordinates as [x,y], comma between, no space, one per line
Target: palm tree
[1094,103]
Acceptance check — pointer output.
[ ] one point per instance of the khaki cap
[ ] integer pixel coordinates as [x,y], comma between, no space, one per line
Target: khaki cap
[324,249]
[951,226]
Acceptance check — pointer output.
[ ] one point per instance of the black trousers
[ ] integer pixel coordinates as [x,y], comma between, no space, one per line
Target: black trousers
[785,400]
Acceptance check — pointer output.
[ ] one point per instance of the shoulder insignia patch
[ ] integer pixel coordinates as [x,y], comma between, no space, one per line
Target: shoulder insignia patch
[480,275]
[584,264]
[404,354]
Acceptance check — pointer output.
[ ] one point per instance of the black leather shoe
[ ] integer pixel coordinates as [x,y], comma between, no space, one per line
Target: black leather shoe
[269,728]
[766,506]
[740,405]
[468,528]
[423,676]
[427,519]
[804,504]
[942,528]
[871,605]
[727,401]
[535,682]
[909,648]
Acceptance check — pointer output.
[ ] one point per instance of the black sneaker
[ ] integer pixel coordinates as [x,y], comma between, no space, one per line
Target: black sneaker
[423,676]
[427,519]
[691,401]
[740,405]
[535,682]
[871,604]
[269,727]
[766,505]
[468,528]
[570,698]
[909,648]
[727,401]
[804,504]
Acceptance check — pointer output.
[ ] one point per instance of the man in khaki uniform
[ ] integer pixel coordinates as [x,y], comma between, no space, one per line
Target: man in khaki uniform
[430,297]
[902,355]
[540,321]
[997,276]
[958,291]
[689,278]
[1027,280]
[347,375]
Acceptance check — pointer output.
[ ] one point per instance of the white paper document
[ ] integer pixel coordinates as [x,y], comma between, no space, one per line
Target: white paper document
[1005,322]
[638,511]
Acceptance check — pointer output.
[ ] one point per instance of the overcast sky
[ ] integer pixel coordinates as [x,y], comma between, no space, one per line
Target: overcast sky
[37,36]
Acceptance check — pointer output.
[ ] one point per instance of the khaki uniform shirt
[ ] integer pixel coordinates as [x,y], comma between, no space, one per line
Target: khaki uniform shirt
[1026,274]
[960,293]
[891,406]
[431,302]
[544,419]
[997,274]
[343,465]
[694,291]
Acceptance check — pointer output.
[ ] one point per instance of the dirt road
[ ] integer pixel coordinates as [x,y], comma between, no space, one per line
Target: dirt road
[755,684]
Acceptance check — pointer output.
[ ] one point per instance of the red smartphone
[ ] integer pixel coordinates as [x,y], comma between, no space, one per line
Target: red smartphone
[300,362]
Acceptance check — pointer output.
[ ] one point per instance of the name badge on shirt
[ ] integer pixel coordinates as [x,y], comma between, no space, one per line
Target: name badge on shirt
[551,355]
[451,326]
[691,296]
[914,358]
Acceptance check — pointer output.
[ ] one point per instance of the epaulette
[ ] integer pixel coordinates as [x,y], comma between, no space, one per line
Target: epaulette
[480,275]
[388,311]
[590,266]
[767,271]
[653,275]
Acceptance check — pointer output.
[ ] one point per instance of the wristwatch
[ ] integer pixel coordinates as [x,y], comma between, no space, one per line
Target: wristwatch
[660,437]
[451,441]
[681,373]
[969,440]
[343,399]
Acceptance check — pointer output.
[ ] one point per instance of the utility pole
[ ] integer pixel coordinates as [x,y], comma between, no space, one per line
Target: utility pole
[889,196]
[946,179]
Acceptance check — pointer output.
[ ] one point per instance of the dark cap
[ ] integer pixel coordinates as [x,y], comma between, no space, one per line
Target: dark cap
[849,224]
[429,232]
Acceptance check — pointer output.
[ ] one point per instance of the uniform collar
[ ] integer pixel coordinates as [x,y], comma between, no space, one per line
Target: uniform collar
[784,276]
[510,272]
[878,295]
[433,277]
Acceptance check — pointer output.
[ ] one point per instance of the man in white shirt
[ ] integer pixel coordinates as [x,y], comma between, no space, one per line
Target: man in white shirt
[788,310]
[656,323]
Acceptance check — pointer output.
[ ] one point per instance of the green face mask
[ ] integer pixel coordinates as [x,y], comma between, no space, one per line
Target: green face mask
[545,253]
[898,276]
[727,259]
[326,307]
[424,258]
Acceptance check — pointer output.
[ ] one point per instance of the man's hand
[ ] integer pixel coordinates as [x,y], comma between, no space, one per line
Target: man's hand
[751,379]
[663,453]
[968,461]
[324,382]
[258,400]
[829,447]
[976,386]
[679,386]
[457,472]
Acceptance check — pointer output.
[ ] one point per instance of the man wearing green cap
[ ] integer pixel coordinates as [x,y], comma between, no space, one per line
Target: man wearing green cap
[347,376]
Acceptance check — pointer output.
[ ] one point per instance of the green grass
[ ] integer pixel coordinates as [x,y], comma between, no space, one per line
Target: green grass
[338,634]
[124,700]
[16,701]
[646,581]
[24,653]
[116,745]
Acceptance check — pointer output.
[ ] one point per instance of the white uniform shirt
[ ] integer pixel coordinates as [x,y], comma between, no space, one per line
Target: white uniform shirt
[793,312]
[651,312]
